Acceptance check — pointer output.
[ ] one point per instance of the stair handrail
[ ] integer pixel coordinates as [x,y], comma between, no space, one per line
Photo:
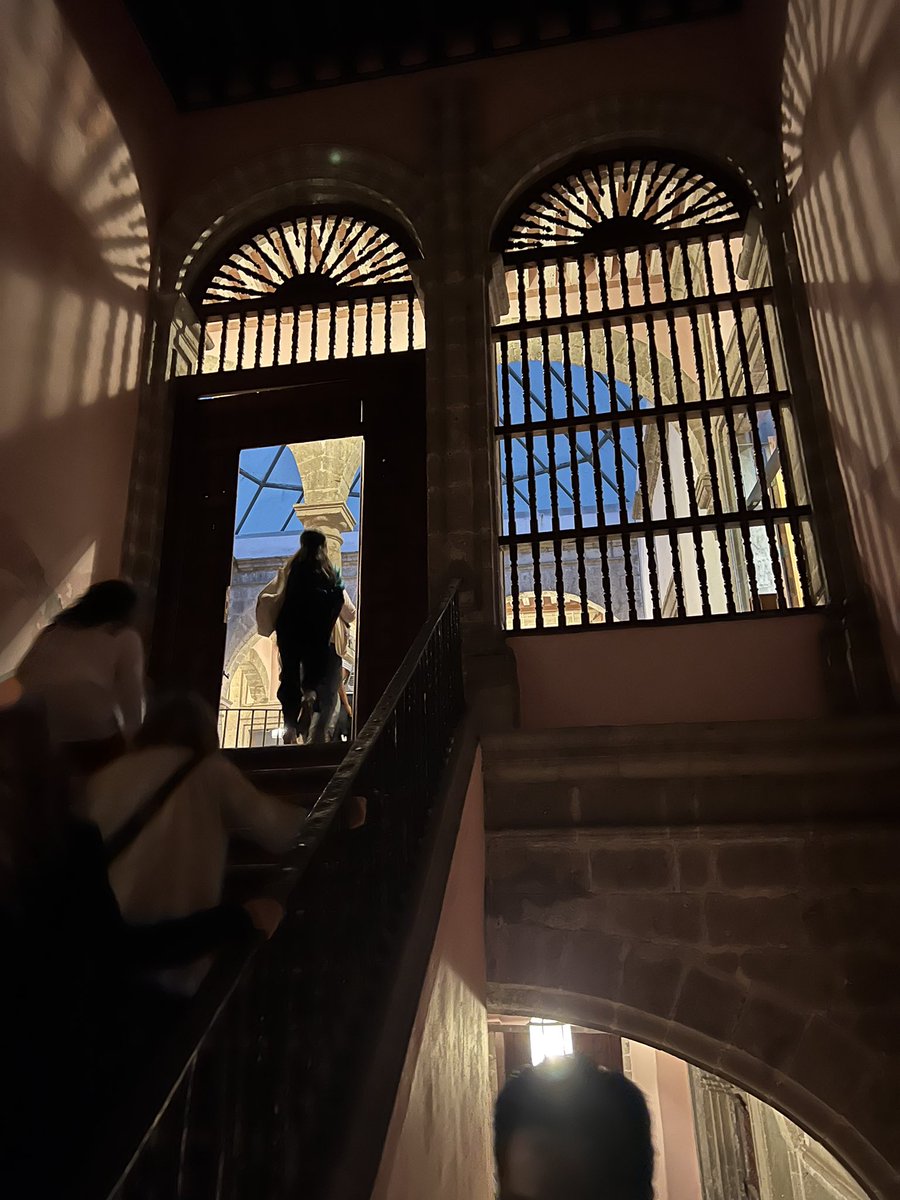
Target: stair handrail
[109,1174]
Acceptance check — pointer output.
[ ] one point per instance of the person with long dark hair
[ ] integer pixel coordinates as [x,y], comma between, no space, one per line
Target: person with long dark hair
[311,602]
[88,670]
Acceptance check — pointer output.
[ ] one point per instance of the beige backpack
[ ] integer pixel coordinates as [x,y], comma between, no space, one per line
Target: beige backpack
[269,604]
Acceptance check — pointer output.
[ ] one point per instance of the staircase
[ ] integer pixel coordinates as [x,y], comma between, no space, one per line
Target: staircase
[298,772]
[300,775]
[280,1064]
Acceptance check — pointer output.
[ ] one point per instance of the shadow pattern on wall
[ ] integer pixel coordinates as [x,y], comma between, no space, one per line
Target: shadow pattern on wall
[841,123]
[74,268]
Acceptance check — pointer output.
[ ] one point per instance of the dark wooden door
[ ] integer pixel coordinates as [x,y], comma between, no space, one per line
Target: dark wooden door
[382,401]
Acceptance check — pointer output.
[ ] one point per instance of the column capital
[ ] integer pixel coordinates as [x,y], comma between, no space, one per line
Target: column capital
[330,517]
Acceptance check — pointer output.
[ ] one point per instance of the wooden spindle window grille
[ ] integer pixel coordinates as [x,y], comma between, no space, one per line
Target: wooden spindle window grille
[649,467]
[305,288]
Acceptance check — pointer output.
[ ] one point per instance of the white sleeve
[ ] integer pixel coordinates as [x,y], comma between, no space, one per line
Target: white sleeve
[271,823]
[348,612]
[129,680]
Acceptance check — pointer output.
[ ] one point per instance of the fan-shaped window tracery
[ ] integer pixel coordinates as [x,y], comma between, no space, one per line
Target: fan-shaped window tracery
[307,287]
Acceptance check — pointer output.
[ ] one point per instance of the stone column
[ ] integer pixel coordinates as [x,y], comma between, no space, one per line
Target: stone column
[334,520]
[856,672]
[171,337]
[327,470]
[462,524]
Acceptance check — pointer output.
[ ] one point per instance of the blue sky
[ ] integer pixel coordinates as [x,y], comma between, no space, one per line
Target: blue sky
[545,397]
[269,485]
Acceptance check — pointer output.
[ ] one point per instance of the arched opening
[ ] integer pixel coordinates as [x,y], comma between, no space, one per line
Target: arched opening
[648,457]
[711,1138]
[550,613]
[298,372]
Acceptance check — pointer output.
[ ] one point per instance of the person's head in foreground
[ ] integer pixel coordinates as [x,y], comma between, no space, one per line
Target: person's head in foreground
[113,603]
[566,1130]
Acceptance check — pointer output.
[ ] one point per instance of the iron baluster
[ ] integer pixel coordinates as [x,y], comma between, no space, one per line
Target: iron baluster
[574,458]
[662,433]
[552,476]
[729,419]
[612,391]
[643,487]
[706,423]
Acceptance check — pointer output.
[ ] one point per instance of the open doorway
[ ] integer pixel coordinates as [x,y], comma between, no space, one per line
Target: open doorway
[304,329]
[711,1139]
[355,404]
[282,490]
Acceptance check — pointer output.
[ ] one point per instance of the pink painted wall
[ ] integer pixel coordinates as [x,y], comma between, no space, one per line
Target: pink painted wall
[722,671]
[666,1086]
[677,1111]
[665,1082]
[75,220]
[439,1141]
[841,118]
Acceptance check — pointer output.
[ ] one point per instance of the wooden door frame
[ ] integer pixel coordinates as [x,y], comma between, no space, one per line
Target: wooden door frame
[358,392]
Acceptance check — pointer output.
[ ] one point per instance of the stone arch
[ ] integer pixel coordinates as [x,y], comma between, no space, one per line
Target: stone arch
[662,383]
[307,175]
[686,938]
[527,604]
[246,659]
[693,125]
[744,1070]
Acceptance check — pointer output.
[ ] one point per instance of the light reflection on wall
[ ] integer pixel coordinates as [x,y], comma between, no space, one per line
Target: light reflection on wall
[74,269]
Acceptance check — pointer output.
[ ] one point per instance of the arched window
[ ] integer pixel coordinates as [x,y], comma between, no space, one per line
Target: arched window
[648,457]
[308,287]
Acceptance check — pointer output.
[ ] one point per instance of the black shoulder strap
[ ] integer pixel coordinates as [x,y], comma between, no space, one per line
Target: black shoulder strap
[128,833]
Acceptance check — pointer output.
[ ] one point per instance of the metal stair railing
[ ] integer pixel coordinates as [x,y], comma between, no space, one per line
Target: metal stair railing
[247,1099]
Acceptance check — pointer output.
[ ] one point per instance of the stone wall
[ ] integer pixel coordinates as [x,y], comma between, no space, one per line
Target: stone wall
[770,956]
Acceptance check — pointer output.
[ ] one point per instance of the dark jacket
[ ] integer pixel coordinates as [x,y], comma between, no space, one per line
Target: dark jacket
[71,980]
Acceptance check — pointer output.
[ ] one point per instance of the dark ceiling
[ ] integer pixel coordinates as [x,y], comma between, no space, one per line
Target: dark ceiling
[213,52]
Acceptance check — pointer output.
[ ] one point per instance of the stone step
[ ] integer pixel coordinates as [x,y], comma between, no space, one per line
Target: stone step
[757,747]
[298,772]
[694,774]
[303,784]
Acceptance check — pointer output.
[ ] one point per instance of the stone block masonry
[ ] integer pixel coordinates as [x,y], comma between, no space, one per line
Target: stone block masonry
[770,954]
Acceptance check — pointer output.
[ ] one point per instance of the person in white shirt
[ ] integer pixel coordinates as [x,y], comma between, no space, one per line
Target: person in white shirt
[175,865]
[88,670]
